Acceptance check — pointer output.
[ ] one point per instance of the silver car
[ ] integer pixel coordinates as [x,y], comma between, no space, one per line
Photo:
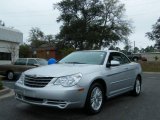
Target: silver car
[83,79]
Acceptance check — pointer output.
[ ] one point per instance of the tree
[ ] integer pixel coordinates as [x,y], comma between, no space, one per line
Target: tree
[24,51]
[136,50]
[149,49]
[90,24]
[13,49]
[49,38]
[127,47]
[36,37]
[118,49]
[155,33]
[63,49]
[112,47]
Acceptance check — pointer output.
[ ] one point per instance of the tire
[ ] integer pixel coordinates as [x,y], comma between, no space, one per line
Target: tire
[10,75]
[137,87]
[95,99]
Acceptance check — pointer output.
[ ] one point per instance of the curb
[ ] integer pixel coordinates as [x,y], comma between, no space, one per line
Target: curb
[4,91]
[2,77]
[152,72]
[8,93]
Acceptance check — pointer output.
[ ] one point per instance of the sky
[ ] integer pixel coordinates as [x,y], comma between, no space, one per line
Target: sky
[26,14]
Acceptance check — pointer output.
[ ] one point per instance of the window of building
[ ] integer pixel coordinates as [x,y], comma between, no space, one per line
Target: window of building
[5,56]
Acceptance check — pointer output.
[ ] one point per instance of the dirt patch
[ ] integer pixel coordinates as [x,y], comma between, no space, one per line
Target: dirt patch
[153,66]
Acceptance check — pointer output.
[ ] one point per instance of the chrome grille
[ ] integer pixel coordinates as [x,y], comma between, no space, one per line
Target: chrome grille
[36,81]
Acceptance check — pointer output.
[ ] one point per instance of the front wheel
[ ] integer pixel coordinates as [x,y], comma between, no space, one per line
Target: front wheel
[10,75]
[95,99]
[137,87]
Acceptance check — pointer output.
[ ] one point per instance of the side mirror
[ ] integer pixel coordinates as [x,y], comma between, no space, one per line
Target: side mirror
[52,61]
[113,63]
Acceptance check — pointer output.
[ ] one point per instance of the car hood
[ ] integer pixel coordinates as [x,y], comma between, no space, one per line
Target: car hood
[58,70]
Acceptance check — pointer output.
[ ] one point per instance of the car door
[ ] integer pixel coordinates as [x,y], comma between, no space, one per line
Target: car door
[117,76]
[130,71]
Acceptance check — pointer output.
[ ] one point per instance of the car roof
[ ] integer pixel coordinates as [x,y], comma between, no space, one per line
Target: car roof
[30,58]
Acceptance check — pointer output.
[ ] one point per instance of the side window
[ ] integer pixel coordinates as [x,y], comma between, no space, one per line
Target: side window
[118,57]
[21,61]
[114,56]
[31,62]
[125,60]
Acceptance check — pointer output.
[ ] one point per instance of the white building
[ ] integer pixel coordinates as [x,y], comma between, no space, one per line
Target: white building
[9,44]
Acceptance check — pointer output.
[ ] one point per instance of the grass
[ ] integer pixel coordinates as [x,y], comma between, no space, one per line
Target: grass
[153,66]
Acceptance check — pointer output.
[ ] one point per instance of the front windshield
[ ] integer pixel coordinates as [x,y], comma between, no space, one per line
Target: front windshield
[85,57]
[42,61]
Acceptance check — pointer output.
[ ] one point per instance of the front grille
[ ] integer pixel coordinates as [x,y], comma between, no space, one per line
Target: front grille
[36,81]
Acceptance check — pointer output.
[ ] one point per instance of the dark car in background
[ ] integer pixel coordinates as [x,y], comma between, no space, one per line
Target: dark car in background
[21,65]
[135,56]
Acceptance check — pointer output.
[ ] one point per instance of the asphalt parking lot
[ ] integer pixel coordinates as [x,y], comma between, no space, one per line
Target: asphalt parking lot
[124,107]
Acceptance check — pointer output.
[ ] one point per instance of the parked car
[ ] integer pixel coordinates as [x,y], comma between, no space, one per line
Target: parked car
[135,56]
[83,79]
[20,65]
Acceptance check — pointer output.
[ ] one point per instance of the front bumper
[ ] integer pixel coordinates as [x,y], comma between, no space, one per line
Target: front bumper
[53,95]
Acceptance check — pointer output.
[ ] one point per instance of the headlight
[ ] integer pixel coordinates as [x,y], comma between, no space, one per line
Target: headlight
[68,81]
[21,79]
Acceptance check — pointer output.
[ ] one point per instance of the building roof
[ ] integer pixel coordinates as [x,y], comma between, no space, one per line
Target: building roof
[10,35]
[47,46]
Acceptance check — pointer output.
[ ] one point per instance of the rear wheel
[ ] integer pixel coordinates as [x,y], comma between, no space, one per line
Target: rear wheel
[10,75]
[137,87]
[95,99]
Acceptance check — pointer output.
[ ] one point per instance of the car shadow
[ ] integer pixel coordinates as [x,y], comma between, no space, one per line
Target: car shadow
[49,113]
